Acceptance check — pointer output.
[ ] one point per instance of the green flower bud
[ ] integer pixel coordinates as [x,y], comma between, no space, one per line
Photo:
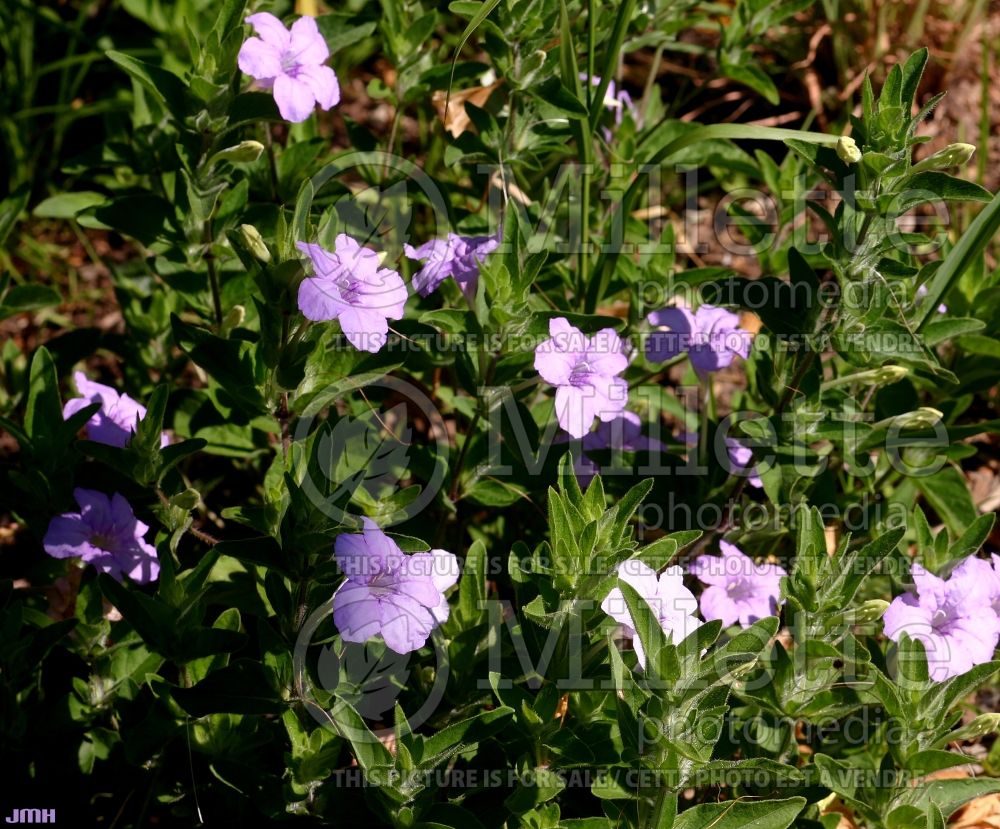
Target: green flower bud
[847,150]
[889,374]
[186,500]
[234,318]
[870,611]
[923,418]
[246,152]
[954,155]
[255,242]
[981,726]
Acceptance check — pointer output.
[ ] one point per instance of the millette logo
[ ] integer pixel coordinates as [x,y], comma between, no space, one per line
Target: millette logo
[32,816]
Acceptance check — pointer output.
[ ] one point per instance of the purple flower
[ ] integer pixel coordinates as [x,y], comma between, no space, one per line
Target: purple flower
[954,618]
[105,533]
[114,423]
[711,337]
[740,457]
[585,372]
[457,257]
[922,292]
[623,434]
[617,100]
[739,590]
[389,593]
[671,602]
[290,63]
[349,286]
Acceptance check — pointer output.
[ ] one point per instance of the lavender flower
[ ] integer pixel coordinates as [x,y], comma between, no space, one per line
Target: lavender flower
[740,457]
[617,100]
[457,256]
[739,590]
[104,533]
[585,372]
[349,286]
[954,618]
[711,337]
[922,292]
[389,593]
[290,63]
[623,434]
[114,423]
[671,602]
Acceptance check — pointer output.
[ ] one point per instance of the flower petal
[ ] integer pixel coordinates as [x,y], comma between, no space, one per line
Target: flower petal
[259,60]
[294,98]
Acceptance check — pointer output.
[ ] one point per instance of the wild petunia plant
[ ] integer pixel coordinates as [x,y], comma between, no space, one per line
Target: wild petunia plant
[469,515]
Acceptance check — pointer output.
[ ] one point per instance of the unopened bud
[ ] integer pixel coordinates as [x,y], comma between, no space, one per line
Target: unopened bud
[954,155]
[847,150]
[255,242]
[883,376]
[922,418]
[186,500]
[234,318]
[870,611]
[246,152]
[981,726]
[984,724]
[889,374]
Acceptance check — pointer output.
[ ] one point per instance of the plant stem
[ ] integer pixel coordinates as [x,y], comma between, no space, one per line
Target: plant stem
[213,275]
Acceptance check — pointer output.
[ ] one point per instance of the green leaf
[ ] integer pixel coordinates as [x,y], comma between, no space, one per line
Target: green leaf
[164,86]
[960,259]
[751,75]
[932,185]
[229,362]
[67,205]
[946,329]
[244,687]
[11,209]
[948,494]
[948,795]
[22,298]
[472,587]
[738,814]
[43,416]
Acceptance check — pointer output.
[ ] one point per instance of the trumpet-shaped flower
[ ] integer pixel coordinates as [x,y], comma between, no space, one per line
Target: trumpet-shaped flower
[954,618]
[737,588]
[388,593]
[710,336]
[349,286]
[740,457]
[114,423]
[621,434]
[672,603]
[585,372]
[105,533]
[457,256]
[291,63]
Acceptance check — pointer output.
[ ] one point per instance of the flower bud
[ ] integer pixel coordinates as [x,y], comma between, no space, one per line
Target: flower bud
[954,155]
[847,150]
[923,418]
[981,726]
[186,500]
[234,318]
[870,611]
[246,152]
[887,375]
[255,242]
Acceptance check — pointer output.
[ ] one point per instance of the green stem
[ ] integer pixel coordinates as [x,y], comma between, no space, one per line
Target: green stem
[213,274]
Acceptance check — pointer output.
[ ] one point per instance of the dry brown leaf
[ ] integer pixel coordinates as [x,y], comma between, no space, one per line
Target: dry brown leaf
[981,813]
[846,815]
[456,120]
